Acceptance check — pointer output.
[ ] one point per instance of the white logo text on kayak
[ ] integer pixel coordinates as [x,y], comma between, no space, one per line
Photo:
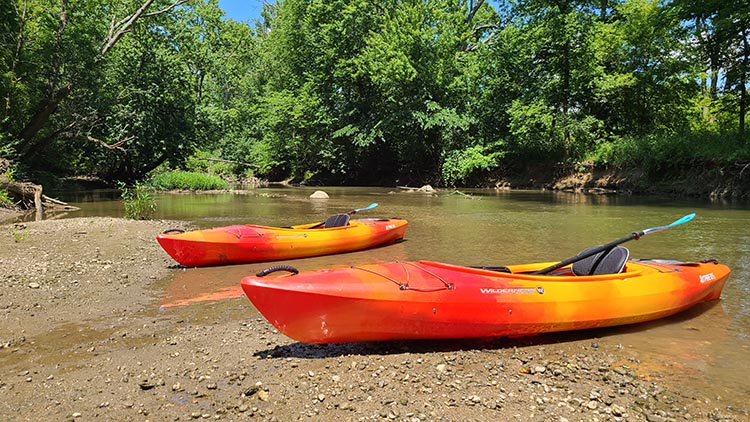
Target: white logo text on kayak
[707,277]
[521,291]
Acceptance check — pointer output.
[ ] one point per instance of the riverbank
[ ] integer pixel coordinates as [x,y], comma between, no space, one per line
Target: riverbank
[82,333]
[700,180]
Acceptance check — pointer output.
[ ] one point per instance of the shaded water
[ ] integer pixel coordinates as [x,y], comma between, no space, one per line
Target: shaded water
[708,346]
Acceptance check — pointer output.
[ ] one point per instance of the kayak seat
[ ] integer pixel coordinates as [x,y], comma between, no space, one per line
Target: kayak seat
[605,262]
[336,220]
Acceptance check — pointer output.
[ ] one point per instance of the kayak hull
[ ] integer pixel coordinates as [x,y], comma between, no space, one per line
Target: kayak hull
[253,243]
[431,300]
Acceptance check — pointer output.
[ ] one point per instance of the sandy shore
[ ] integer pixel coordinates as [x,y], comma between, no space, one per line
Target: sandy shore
[82,338]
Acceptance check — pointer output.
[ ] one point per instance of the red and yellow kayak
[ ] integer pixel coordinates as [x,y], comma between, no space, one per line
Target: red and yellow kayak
[433,300]
[252,243]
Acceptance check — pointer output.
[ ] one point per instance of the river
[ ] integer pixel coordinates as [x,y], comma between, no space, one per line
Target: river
[707,347]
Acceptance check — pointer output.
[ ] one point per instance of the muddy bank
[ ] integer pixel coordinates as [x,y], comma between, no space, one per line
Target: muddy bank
[82,337]
[700,180]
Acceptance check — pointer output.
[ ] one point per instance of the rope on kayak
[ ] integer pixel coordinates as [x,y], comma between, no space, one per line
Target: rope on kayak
[405,286]
[448,286]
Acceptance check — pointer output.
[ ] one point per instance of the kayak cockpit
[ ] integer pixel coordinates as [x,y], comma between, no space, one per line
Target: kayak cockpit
[611,261]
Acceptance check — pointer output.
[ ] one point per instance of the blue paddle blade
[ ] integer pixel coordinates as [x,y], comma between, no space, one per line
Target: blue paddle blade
[682,220]
[369,207]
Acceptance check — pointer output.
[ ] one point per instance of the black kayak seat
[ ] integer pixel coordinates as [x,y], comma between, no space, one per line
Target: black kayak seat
[337,220]
[611,261]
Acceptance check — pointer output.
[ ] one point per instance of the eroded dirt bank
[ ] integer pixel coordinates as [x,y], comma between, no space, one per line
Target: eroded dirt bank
[82,338]
[727,181]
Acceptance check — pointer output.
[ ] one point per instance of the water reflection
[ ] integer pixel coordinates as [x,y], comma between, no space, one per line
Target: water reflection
[186,286]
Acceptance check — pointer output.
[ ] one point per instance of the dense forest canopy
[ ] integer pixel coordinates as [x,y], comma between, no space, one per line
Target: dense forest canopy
[447,92]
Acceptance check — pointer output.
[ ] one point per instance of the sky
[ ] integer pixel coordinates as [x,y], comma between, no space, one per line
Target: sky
[241,10]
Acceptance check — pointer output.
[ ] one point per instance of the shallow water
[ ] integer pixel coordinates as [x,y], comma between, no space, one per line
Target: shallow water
[708,347]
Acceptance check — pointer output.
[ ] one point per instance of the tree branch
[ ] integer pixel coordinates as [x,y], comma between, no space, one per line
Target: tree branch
[116,146]
[221,160]
[117,30]
[473,8]
[166,9]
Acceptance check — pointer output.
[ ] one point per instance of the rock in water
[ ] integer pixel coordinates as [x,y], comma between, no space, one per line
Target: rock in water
[319,194]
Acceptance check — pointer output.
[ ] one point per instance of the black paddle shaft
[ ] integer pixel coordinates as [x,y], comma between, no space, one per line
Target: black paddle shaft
[610,245]
[590,252]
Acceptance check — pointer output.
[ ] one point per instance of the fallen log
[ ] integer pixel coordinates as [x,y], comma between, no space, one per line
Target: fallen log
[27,196]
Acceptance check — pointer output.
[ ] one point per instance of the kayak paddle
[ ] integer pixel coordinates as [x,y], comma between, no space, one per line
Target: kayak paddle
[369,207]
[341,219]
[593,251]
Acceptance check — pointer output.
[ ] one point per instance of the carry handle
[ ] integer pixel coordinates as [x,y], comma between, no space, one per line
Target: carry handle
[275,268]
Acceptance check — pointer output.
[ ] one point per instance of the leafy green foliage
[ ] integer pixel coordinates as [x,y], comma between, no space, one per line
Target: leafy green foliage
[361,91]
[9,174]
[139,203]
[5,200]
[668,155]
[185,180]
[20,234]
[460,165]
[210,163]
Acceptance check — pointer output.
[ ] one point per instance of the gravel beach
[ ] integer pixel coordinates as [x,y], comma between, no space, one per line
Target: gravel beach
[82,338]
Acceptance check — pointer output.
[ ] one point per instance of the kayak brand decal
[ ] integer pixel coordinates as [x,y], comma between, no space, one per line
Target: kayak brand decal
[707,277]
[512,291]
[390,227]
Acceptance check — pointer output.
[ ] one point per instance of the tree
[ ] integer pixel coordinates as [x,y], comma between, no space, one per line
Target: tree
[551,114]
[721,36]
[59,50]
[364,86]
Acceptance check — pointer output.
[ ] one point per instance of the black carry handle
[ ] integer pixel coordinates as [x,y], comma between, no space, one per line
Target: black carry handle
[171,231]
[275,268]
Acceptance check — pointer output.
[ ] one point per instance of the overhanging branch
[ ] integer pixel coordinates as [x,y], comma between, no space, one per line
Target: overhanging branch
[117,30]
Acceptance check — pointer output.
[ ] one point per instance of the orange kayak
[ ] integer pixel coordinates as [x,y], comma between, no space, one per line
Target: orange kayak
[433,300]
[252,243]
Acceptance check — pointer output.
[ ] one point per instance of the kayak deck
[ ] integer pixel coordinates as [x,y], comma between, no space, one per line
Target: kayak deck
[254,243]
[433,300]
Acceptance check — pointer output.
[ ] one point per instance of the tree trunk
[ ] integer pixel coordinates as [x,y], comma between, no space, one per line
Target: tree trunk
[566,95]
[40,118]
[743,83]
[56,94]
